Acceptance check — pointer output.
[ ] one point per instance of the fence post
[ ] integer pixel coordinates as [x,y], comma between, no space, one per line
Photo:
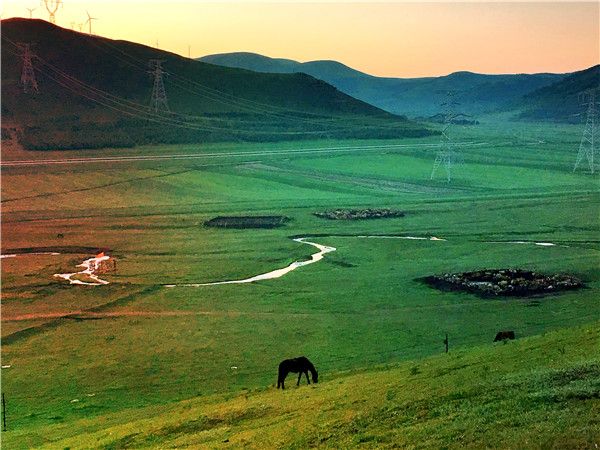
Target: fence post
[3,412]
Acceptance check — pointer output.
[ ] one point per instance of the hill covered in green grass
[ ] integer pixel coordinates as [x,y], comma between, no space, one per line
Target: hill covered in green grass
[561,101]
[97,92]
[414,97]
[537,392]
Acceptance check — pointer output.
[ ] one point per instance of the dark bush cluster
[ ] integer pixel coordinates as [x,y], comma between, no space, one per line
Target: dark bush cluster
[247,222]
[504,282]
[359,214]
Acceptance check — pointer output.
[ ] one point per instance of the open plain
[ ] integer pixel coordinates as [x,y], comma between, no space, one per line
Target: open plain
[92,355]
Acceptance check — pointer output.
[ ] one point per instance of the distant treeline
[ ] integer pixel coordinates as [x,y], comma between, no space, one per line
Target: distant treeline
[128,133]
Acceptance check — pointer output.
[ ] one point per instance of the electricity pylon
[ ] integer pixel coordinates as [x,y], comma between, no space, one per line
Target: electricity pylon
[447,155]
[159,95]
[28,80]
[31,10]
[587,146]
[52,6]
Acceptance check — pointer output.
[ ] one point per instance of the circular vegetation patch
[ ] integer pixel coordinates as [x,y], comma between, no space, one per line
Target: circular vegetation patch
[504,282]
[247,221]
[359,214]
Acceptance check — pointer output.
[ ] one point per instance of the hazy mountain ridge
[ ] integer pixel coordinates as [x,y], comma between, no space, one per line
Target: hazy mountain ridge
[414,97]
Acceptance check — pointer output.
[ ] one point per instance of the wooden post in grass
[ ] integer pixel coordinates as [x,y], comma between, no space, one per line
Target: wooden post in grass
[446,342]
[3,413]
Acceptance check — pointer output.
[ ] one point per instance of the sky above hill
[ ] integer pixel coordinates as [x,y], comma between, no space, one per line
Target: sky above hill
[399,39]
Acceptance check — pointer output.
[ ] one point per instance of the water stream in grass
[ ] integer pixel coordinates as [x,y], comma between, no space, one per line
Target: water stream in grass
[91,266]
[315,257]
[14,255]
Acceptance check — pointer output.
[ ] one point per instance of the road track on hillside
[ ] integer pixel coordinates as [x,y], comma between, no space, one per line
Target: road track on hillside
[192,156]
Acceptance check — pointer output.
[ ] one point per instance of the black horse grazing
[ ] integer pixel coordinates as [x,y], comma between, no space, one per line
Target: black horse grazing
[300,365]
[504,335]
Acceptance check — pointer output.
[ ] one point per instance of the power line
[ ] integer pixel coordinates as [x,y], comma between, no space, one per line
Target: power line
[52,7]
[197,88]
[447,156]
[587,146]
[137,110]
[28,80]
[159,95]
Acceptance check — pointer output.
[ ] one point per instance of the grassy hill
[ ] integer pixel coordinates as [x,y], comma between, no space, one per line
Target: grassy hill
[414,97]
[560,101]
[96,91]
[537,392]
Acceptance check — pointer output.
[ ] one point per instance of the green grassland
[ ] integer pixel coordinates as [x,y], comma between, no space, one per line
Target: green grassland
[137,344]
[538,392]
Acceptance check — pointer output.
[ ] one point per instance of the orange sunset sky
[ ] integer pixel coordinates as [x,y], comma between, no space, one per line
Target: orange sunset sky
[400,39]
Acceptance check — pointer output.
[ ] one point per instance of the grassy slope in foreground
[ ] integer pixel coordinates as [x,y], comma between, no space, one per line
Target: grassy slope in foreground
[538,392]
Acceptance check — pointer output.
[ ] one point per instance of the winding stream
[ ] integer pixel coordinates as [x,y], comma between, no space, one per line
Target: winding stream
[91,266]
[315,257]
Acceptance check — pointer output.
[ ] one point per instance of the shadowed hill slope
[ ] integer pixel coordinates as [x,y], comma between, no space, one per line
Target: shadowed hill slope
[560,101]
[537,392]
[414,97]
[88,80]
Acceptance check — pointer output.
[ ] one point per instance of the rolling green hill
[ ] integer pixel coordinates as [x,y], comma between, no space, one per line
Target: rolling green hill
[413,97]
[538,392]
[96,91]
[560,101]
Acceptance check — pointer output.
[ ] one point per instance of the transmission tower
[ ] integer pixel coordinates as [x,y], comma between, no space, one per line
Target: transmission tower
[587,146]
[159,95]
[447,156]
[28,80]
[52,6]
[31,10]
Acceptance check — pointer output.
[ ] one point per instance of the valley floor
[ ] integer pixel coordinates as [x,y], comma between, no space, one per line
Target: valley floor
[80,362]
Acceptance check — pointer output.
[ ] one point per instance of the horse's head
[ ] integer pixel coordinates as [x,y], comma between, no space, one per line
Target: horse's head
[315,377]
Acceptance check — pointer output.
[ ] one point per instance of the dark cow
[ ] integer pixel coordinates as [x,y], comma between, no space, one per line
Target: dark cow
[504,336]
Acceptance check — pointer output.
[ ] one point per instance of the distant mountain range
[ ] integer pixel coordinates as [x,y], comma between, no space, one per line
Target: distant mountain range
[415,97]
[96,92]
